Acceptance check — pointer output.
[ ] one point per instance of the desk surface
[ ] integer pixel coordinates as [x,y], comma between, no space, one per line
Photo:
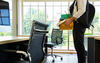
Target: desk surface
[91,36]
[12,39]
[97,37]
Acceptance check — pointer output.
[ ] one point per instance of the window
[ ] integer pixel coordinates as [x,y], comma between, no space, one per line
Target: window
[49,12]
[32,12]
[96,21]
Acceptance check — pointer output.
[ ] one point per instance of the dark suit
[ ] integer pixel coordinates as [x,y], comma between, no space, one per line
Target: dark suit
[78,35]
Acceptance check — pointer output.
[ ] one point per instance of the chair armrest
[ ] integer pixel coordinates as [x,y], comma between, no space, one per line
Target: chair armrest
[14,51]
[40,31]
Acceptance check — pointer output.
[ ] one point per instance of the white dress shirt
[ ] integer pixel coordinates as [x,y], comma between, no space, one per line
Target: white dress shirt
[81,8]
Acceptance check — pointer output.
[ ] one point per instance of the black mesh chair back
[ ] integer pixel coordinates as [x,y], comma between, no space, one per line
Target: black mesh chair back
[36,42]
[56,36]
[35,50]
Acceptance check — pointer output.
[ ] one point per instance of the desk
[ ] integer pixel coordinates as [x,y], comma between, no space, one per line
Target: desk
[12,39]
[93,49]
[11,43]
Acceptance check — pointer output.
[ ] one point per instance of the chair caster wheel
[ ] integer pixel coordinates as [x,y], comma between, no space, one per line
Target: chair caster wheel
[55,56]
[61,58]
[53,61]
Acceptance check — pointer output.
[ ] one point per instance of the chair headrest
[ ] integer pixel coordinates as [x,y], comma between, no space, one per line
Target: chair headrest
[39,23]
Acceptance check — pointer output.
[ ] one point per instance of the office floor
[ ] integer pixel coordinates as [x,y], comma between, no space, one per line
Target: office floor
[67,58]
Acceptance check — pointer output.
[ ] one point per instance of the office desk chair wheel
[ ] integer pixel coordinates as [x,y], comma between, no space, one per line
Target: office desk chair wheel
[53,61]
[58,56]
[61,59]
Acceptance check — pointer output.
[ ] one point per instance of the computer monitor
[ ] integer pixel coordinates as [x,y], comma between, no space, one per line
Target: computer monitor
[4,13]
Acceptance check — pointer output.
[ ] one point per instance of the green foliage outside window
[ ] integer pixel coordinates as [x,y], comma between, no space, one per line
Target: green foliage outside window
[28,19]
[5,33]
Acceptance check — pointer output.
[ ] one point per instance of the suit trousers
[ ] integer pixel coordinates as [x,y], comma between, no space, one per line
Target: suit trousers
[78,36]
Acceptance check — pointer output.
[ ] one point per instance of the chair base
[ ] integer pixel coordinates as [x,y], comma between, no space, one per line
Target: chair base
[55,56]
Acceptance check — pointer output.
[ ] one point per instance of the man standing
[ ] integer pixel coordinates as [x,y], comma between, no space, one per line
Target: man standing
[78,30]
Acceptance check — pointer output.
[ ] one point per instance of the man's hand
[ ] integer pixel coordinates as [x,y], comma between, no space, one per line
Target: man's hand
[69,20]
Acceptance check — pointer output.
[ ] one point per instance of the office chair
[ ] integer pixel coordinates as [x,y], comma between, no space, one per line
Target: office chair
[36,46]
[56,39]
[34,52]
[36,25]
[38,37]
